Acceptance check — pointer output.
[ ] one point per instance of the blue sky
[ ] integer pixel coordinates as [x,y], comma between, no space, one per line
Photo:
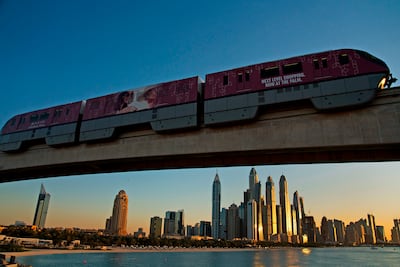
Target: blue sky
[56,52]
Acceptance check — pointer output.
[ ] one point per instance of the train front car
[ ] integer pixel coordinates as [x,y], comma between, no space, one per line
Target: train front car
[330,80]
[53,126]
[165,106]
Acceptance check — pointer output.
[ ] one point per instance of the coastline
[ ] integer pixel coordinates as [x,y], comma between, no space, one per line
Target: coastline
[37,252]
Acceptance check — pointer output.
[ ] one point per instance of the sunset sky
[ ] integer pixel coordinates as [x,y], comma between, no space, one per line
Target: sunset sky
[56,52]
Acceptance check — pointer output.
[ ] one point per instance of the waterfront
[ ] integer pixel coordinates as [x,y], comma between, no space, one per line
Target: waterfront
[343,256]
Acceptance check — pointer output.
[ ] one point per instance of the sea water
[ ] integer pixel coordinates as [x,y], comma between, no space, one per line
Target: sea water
[357,256]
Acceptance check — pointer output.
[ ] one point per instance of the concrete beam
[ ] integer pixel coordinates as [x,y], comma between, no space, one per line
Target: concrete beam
[285,135]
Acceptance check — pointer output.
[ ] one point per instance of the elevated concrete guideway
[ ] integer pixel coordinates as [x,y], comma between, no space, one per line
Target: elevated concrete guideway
[287,136]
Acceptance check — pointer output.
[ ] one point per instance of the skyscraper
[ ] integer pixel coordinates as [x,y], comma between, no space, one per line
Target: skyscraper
[254,193]
[372,228]
[253,181]
[41,208]
[285,206]
[233,222]
[169,223]
[174,223]
[216,207]
[252,220]
[117,224]
[298,214]
[155,227]
[271,223]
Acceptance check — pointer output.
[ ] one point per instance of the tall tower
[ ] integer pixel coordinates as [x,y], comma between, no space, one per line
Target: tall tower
[285,205]
[298,213]
[254,193]
[271,207]
[216,207]
[119,218]
[371,224]
[41,208]
[253,181]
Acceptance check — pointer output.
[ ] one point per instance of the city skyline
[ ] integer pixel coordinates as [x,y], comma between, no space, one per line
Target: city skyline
[50,59]
[178,226]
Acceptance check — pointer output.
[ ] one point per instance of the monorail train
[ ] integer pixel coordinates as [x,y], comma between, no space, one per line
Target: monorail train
[330,80]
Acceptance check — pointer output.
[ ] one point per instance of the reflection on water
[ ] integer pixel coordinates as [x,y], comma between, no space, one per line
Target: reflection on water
[259,258]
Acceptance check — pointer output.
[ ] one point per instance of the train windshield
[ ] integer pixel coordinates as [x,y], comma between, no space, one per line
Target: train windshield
[371,58]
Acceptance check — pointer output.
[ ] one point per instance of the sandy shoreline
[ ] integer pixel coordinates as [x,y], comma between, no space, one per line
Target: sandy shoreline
[36,252]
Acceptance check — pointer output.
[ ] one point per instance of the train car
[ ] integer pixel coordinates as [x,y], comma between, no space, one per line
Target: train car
[56,125]
[165,106]
[330,80]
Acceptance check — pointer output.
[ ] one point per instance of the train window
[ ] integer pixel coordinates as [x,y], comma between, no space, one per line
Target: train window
[247,76]
[67,112]
[57,113]
[34,118]
[269,72]
[324,62]
[240,77]
[44,116]
[343,59]
[316,64]
[225,82]
[12,122]
[292,68]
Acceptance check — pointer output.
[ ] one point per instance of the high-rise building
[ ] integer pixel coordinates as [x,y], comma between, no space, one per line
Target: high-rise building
[117,223]
[252,220]
[216,207]
[42,207]
[395,231]
[298,213]
[279,219]
[285,206]
[254,193]
[253,181]
[372,228]
[205,228]
[380,234]
[310,229]
[270,200]
[340,231]
[169,223]
[155,227]
[223,224]
[233,222]
[174,223]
